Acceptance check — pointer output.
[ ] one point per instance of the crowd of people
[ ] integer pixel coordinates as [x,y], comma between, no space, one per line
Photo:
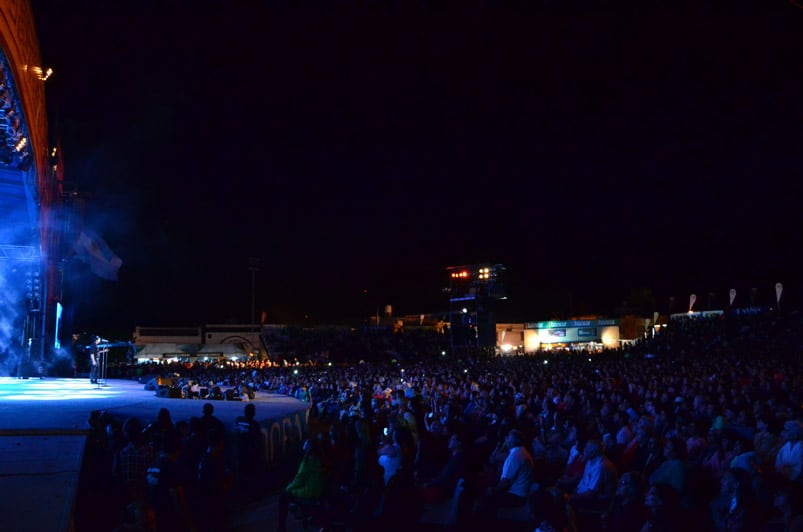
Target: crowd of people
[699,427]
[171,474]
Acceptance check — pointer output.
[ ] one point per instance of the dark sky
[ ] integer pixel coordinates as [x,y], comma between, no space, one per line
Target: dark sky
[591,150]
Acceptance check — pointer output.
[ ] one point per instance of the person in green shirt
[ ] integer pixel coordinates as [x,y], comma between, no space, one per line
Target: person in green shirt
[309,483]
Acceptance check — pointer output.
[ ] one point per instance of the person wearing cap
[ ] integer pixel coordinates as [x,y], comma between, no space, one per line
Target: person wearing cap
[789,460]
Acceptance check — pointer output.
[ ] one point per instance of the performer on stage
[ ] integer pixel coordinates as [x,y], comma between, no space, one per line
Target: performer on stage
[94,360]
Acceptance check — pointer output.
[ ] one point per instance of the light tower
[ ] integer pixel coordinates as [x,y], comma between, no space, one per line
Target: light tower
[474,292]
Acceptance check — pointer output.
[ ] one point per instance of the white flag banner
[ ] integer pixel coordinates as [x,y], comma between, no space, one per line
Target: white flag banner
[692,300]
[93,250]
[732,295]
[778,292]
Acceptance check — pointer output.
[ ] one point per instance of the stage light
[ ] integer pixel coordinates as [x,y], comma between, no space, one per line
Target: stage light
[42,75]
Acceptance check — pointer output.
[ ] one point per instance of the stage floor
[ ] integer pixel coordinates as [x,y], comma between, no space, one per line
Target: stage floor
[65,404]
[43,428]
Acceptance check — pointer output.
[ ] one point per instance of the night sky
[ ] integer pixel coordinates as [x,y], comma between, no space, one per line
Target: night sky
[594,149]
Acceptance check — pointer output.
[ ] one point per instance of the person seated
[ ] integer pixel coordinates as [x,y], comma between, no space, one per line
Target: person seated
[636,452]
[550,458]
[515,482]
[736,507]
[789,460]
[627,512]
[673,470]
[598,483]
[788,504]
[307,486]
[663,504]
[613,450]
[441,487]
[721,454]
[215,393]
[552,511]
[765,443]
[573,469]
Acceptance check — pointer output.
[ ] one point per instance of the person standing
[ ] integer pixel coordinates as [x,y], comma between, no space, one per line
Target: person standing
[214,483]
[166,494]
[94,353]
[249,454]
[130,464]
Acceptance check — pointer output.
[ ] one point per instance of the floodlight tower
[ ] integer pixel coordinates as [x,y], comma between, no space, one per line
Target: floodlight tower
[474,291]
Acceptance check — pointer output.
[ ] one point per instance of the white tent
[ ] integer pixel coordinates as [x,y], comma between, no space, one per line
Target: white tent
[221,350]
[159,351]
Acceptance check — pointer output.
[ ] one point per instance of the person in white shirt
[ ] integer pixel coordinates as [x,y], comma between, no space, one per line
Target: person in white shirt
[598,483]
[515,482]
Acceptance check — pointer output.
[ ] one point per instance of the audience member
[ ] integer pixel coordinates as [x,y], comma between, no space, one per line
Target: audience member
[627,512]
[789,460]
[130,465]
[307,486]
[514,483]
[166,489]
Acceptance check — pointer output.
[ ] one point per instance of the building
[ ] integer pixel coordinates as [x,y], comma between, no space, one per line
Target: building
[232,342]
[590,334]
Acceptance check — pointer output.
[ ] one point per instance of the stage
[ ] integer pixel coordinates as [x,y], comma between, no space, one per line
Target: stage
[65,404]
[43,429]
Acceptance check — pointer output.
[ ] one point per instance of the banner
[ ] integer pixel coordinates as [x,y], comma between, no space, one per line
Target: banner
[91,249]
[692,299]
[778,292]
[732,296]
